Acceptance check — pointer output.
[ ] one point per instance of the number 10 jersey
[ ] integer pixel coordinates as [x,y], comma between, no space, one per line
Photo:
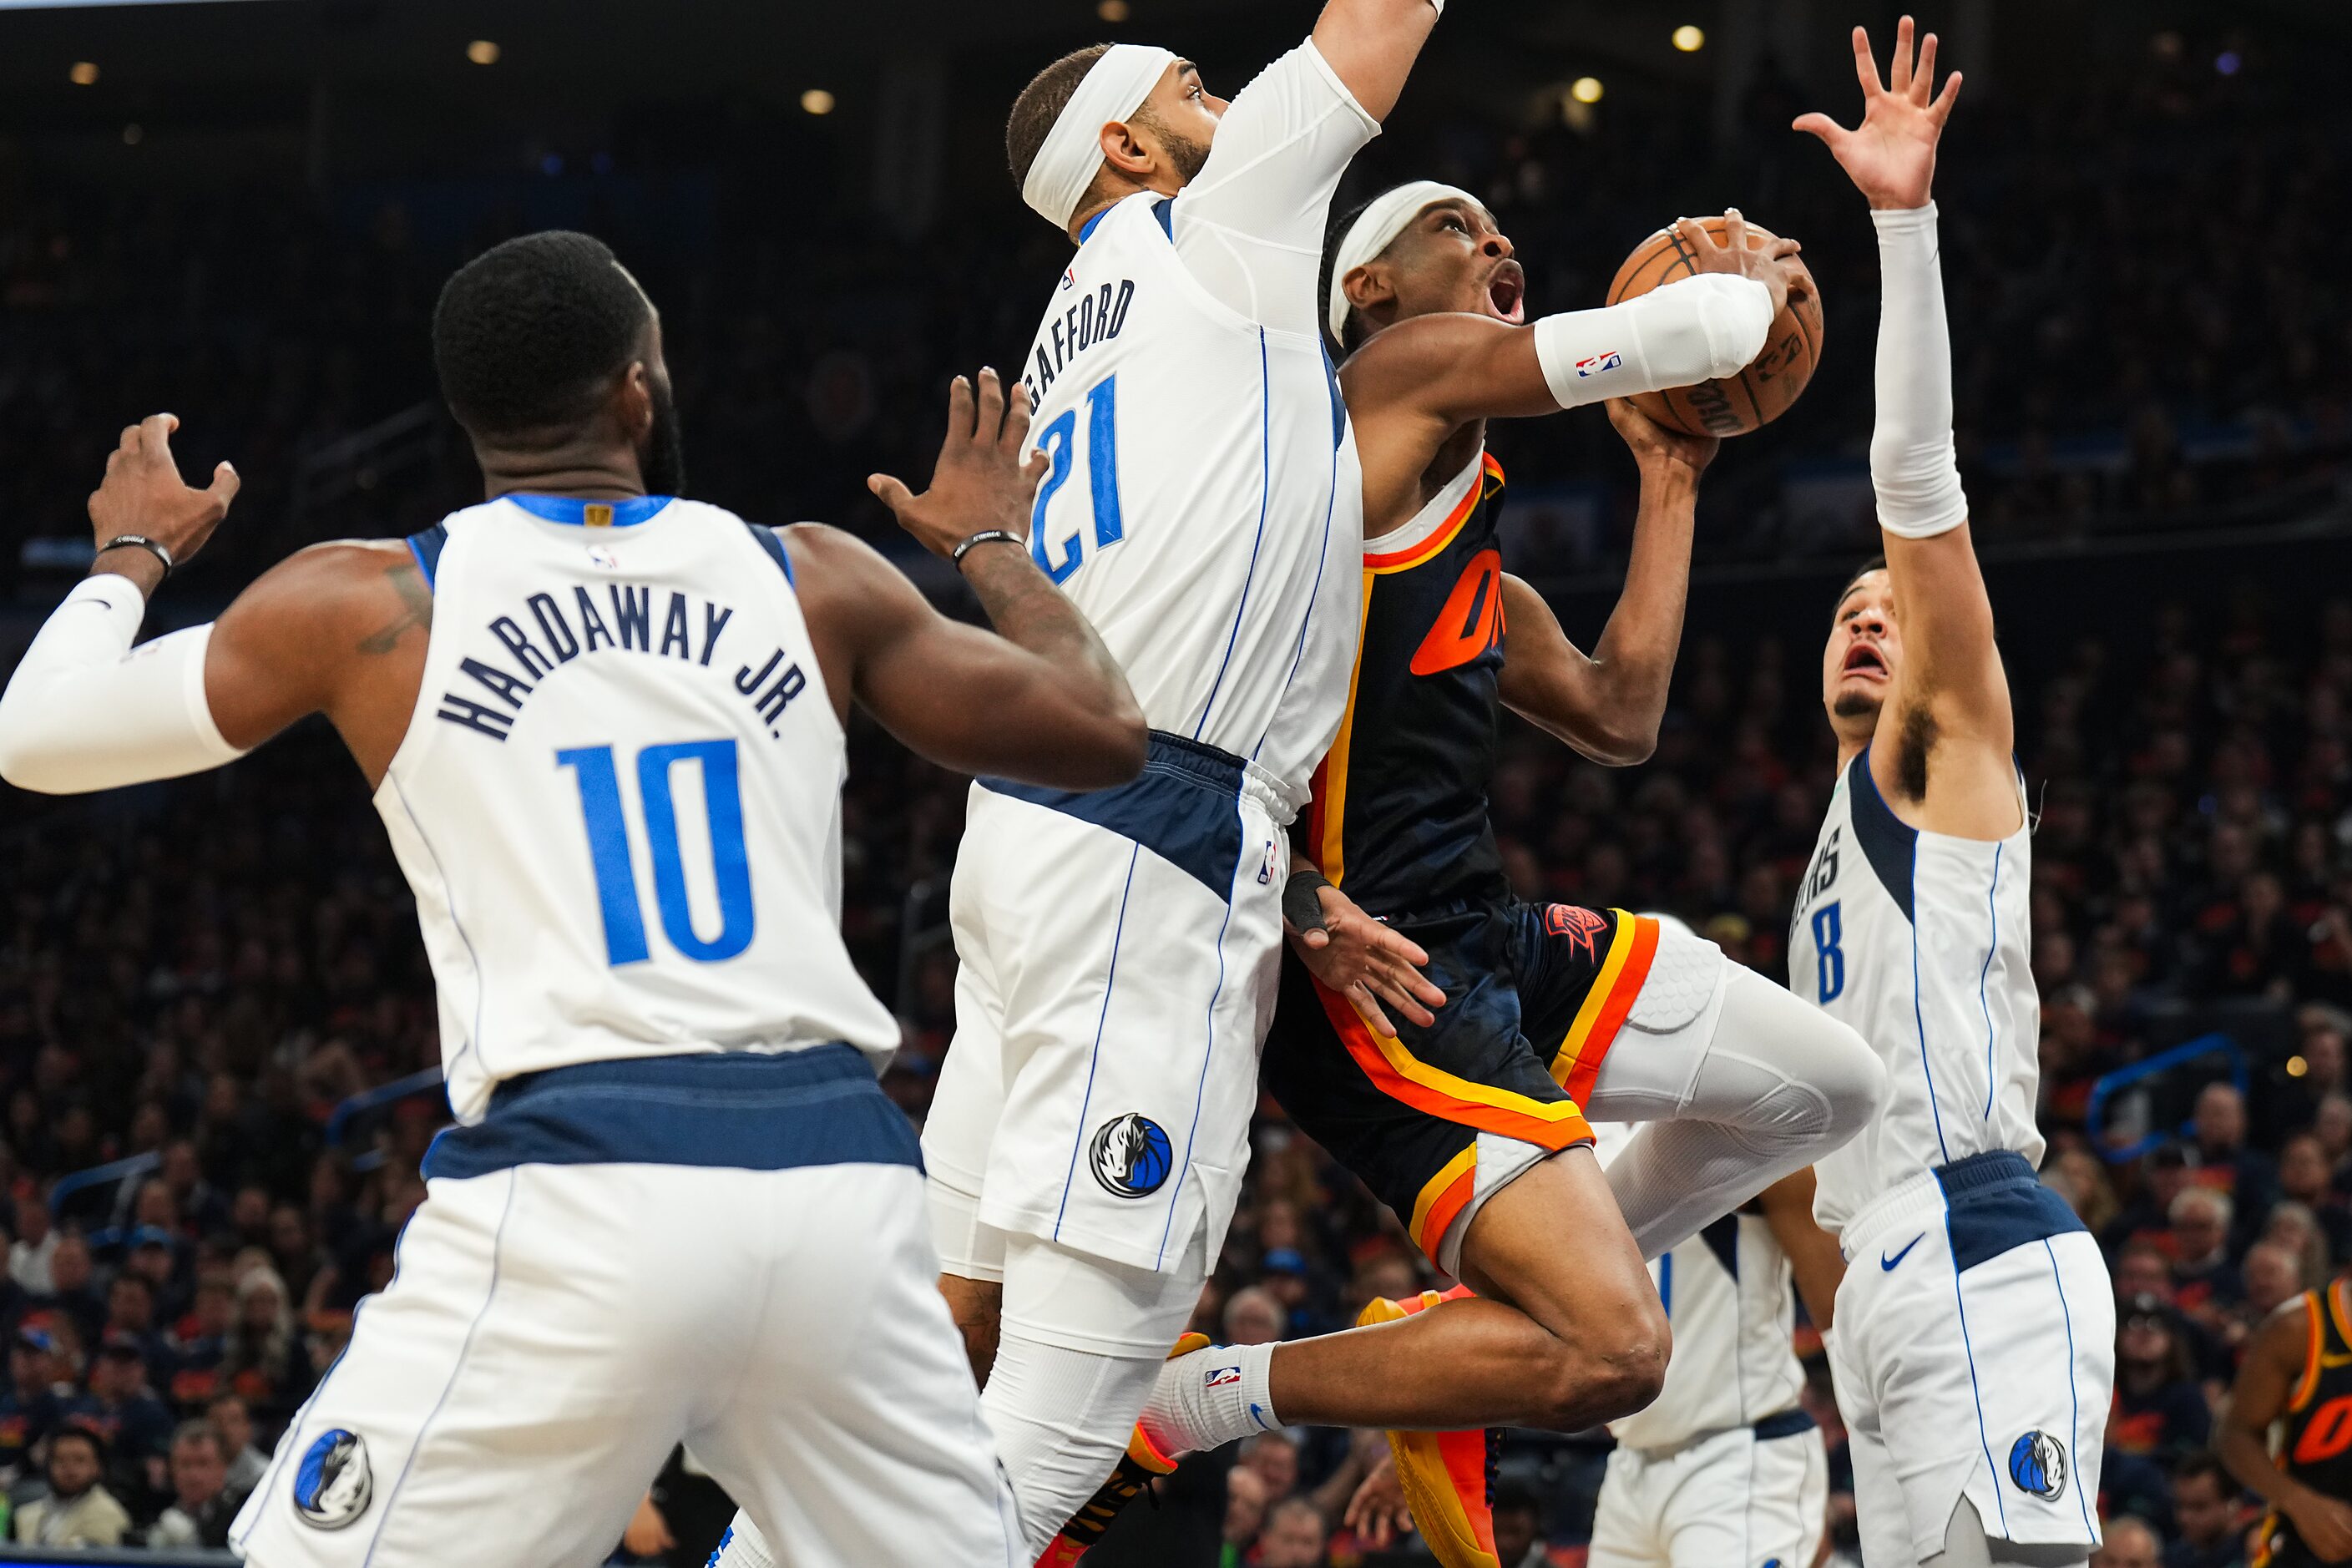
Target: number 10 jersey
[619,798]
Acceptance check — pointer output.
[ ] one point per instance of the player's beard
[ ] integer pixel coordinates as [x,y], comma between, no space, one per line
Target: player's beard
[1856,705]
[1188,156]
[662,464]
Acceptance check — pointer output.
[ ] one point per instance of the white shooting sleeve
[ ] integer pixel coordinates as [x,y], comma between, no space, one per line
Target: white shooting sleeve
[1691,329]
[86,710]
[1912,464]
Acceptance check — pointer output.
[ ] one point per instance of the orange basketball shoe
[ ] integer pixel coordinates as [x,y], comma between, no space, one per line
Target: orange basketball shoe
[1141,1466]
[1448,1477]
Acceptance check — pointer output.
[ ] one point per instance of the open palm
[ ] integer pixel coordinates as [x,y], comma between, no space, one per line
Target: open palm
[1891,156]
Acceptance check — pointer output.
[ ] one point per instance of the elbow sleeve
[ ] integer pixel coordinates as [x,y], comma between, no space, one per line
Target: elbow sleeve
[1693,330]
[85,710]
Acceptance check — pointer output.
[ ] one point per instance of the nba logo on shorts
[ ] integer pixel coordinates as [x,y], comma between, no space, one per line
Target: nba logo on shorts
[334,1486]
[2037,1463]
[1130,1156]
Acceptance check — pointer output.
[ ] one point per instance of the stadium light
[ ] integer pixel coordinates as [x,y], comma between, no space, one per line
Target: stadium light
[1586,90]
[1690,39]
[482,52]
[1112,10]
[816,100]
[83,74]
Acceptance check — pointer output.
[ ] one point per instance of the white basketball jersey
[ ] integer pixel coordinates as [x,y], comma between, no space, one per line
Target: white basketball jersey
[1728,1296]
[1205,508]
[619,798]
[1923,944]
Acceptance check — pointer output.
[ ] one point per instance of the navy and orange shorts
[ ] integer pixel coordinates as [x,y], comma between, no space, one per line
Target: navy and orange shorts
[1535,995]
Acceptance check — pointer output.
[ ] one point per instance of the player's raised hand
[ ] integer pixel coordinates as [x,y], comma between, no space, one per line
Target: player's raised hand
[1356,955]
[986,475]
[144,494]
[1775,264]
[1891,156]
[1657,449]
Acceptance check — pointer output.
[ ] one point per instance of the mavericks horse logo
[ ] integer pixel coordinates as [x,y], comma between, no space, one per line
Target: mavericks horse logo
[333,1486]
[2037,1463]
[1131,1156]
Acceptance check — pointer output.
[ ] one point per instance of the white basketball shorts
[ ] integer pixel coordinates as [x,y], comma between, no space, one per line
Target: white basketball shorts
[1974,1355]
[1753,1497]
[1119,954]
[558,1320]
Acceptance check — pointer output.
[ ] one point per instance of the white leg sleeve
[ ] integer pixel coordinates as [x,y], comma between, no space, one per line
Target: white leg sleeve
[1083,1340]
[86,712]
[1775,1085]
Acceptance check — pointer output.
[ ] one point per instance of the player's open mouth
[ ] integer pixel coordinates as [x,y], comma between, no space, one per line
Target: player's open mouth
[1507,292]
[1862,658]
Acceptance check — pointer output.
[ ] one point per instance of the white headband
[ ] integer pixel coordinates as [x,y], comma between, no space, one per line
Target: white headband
[1375,229]
[1114,87]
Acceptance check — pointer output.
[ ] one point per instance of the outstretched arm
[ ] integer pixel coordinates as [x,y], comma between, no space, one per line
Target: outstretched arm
[1411,386]
[1371,46]
[2274,1362]
[1608,705]
[1039,698]
[1951,669]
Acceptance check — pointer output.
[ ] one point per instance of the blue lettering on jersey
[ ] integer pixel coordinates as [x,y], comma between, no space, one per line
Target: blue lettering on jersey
[1097,317]
[557,633]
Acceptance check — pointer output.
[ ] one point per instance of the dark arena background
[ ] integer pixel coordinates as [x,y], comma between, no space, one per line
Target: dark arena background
[218,1048]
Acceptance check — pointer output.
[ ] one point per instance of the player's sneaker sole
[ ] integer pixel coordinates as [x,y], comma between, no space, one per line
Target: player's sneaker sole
[1447,1477]
[1141,1466]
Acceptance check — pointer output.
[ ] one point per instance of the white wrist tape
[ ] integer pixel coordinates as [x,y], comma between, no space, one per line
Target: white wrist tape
[1689,330]
[85,710]
[1912,464]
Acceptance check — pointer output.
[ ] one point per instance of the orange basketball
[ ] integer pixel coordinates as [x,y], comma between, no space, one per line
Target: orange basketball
[1757,394]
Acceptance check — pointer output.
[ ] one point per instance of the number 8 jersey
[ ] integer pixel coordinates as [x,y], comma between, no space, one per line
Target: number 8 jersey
[1923,942]
[619,797]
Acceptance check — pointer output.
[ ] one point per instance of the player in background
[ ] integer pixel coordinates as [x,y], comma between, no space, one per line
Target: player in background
[1724,1467]
[2296,1378]
[1974,1345]
[580,693]
[1118,949]
[1470,1121]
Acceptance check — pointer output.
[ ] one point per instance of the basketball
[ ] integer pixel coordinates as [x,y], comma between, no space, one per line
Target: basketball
[1757,394]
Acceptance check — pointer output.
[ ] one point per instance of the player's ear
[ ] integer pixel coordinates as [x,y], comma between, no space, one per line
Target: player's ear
[633,401]
[1125,148]
[1369,287]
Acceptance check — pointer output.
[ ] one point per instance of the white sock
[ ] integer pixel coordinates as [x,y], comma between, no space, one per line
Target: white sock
[1210,1398]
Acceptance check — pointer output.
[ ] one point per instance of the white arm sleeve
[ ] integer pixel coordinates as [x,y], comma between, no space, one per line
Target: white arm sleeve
[86,712]
[1912,464]
[1250,225]
[1691,330]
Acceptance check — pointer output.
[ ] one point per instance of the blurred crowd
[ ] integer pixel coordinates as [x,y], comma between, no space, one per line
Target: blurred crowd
[212,993]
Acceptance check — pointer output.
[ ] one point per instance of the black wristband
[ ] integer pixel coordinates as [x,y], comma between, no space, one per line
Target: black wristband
[138,541]
[987,536]
[1302,899]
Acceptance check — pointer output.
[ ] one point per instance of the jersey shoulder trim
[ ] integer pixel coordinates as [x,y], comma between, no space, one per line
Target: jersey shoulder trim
[766,539]
[2315,1353]
[1437,523]
[426,545]
[1888,842]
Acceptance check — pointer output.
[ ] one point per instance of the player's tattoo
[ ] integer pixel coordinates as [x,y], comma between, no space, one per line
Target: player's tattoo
[416,608]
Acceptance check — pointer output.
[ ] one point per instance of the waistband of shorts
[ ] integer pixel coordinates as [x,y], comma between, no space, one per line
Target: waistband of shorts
[1934,1191]
[1786,1422]
[1226,773]
[755,1110]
